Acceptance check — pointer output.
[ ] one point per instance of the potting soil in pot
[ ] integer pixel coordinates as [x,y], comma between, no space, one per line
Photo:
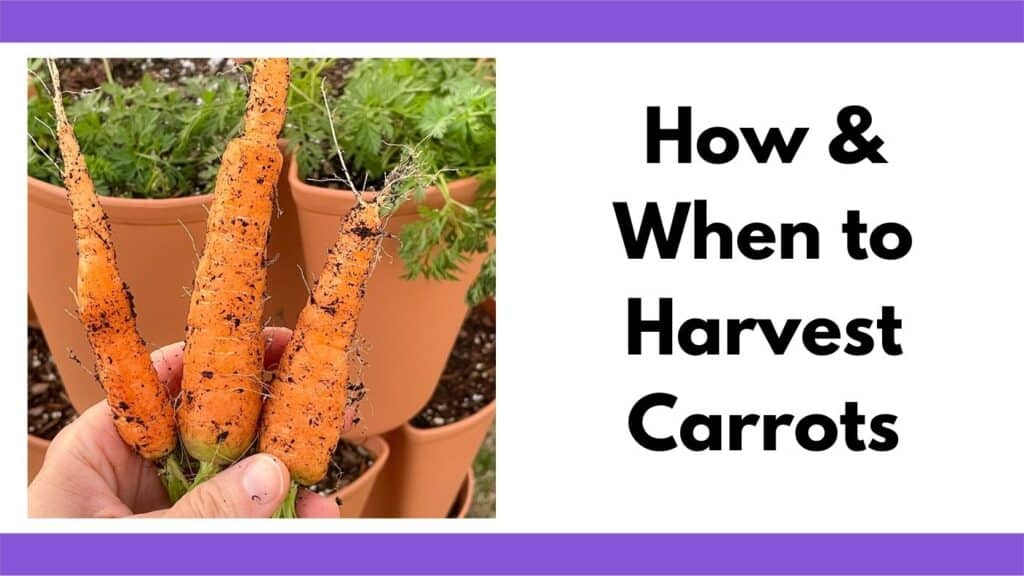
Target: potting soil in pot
[349,462]
[87,74]
[468,381]
[48,407]
[336,75]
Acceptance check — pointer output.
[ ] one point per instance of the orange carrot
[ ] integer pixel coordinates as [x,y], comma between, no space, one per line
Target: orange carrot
[303,415]
[221,391]
[139,402]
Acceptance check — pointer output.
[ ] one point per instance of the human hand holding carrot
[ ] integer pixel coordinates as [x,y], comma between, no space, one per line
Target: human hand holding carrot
[218,368]
[90,472]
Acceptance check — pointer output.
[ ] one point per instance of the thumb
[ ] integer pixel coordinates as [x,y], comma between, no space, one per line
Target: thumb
[251,488]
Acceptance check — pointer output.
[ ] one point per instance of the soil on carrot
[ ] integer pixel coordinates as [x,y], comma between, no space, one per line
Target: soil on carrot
[79,74]
[349,462]
[48,407]
[468,381]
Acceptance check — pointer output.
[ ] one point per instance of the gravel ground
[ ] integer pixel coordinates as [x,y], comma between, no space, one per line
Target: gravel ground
[484,499]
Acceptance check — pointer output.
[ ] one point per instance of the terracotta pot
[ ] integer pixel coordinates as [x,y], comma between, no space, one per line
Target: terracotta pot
[410,325]
[355,495]
[285,285]
[36,453]
[428,466]
[157,259]
[464,499]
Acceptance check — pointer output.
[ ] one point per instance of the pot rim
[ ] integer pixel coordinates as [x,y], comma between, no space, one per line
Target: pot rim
[437,432]
[335,202]
[126,210]
[381,454]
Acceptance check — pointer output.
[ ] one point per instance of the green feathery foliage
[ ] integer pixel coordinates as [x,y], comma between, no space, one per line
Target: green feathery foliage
[442,109]
[149,140]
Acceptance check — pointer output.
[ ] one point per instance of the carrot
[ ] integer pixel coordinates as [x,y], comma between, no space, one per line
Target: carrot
[140,404]
[221,390]
[303,414]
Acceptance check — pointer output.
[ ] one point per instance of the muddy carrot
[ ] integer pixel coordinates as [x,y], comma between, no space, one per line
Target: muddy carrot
[221,391]
[140,404]
[303,415]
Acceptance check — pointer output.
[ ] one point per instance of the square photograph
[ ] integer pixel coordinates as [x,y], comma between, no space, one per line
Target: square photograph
[261,287]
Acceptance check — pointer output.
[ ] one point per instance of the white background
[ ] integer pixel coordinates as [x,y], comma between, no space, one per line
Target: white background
[571,141]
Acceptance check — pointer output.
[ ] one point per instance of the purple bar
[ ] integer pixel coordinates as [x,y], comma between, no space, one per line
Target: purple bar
[497,21]
[513,21]
[511,554]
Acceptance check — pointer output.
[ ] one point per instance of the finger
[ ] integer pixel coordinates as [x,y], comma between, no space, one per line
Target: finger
[93,439]
[252,488]
[167,362]
[276,339]
[311,505]
[89,452]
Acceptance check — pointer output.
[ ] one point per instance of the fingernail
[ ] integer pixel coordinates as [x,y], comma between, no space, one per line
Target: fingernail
[262,479]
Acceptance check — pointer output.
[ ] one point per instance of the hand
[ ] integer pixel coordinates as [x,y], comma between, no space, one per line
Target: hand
[89,472]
